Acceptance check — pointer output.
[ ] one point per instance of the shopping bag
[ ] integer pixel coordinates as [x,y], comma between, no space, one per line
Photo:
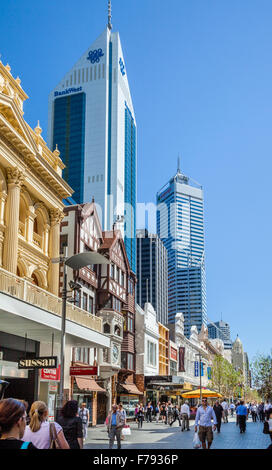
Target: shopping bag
[196,441]
[126,431]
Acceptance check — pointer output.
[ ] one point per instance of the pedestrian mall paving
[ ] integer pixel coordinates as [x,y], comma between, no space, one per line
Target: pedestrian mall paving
[161,436]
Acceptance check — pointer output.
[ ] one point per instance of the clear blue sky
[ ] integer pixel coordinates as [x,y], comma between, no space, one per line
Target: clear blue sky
[200,74]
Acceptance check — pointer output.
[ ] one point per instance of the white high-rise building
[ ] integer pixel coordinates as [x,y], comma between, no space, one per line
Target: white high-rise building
[92,121]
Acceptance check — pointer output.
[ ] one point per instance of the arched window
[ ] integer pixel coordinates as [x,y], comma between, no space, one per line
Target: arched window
[106,328]
[117,330]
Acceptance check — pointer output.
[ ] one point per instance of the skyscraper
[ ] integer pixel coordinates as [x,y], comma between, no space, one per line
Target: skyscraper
[92,121]
[180,225]
[221,330]
[152,274]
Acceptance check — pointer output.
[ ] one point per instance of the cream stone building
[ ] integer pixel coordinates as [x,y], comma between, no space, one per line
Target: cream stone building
[31,210]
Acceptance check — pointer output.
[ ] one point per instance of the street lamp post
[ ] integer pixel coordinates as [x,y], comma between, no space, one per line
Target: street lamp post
[200,381]
[75,262]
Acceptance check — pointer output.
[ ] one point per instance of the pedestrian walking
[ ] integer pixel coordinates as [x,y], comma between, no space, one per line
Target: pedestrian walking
[175,415]
[218,410]
[123,413]
[270,424]
[267,408]
[115,423]
[84,414]
[163,412]
[40,432]
[12,425]
[254,412]
[232,408]
[149,410]
[140,416]
[71,424]
[204,415]
[157,412]
[169,414]
[242,414]
[261,414]
[225,407]
[185,416]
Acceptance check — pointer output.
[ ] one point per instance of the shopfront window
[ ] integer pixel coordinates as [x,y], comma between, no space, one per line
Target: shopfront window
[129,403]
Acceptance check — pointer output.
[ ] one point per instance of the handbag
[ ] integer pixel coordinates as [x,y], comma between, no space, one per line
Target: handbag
[126,431]
[54,443]
[196,441]
[266,427]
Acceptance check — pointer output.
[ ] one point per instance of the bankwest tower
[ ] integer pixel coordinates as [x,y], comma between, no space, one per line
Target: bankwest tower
[92,122]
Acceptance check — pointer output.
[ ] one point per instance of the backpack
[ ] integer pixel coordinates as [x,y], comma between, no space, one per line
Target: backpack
[25,445]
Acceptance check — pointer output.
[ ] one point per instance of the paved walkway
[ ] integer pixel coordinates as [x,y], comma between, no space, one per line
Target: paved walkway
[160,436]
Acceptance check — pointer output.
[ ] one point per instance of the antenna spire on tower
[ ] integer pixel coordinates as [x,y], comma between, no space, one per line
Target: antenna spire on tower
[109,15]
[178,163]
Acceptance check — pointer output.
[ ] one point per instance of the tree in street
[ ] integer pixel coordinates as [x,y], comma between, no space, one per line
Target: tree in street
[261,372]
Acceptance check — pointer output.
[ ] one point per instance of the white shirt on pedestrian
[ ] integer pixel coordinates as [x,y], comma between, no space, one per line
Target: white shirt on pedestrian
[185,409]
[224,405]
[204,416]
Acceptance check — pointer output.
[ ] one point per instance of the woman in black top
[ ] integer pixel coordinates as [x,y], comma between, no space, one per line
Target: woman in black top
[12,425]
[71,424]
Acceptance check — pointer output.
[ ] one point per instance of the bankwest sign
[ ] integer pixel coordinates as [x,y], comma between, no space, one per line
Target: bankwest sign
[38,363]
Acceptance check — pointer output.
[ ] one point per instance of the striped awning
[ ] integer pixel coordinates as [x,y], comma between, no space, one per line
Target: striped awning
[131,388]
[84,383]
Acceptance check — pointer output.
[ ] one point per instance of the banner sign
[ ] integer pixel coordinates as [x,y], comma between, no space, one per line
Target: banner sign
[181,359]
[209,373]
[173,354]
[90,370]
[38,363]
[196,368]
[50,374]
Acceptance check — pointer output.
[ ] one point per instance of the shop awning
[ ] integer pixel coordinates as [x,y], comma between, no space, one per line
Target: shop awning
[88,384]
[204,392]
[131,388]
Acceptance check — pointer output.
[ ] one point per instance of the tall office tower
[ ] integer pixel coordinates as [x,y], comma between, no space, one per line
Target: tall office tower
[152,274]
[180,225]
[221,330]
[92,121]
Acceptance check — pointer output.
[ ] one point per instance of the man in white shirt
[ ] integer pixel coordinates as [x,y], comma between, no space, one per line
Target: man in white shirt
[185,415]
[204,415]
[225,407]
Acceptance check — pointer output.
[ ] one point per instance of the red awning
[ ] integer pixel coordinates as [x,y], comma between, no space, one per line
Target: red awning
[88,384]
[131,388]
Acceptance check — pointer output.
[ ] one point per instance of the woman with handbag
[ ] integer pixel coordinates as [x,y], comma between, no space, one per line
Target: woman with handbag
[40,432]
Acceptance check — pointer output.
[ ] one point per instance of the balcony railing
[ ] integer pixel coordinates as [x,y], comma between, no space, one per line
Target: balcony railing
[34,295]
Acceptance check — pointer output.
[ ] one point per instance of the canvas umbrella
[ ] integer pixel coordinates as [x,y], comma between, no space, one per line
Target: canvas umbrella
[204,392]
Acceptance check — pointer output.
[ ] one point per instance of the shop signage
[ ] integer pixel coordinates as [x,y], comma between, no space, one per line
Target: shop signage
[53,388]
[181,359]
[38,362]
[50,374]
[174,354]
[91,370]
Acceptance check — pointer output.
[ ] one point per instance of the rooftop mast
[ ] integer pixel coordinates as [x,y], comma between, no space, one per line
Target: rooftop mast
[109,15]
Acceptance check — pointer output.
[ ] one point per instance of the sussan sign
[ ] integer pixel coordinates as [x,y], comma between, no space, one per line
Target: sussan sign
[38,363]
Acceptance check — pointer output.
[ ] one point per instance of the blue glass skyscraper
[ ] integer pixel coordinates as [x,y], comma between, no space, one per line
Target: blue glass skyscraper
[180,225]
[91,119]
